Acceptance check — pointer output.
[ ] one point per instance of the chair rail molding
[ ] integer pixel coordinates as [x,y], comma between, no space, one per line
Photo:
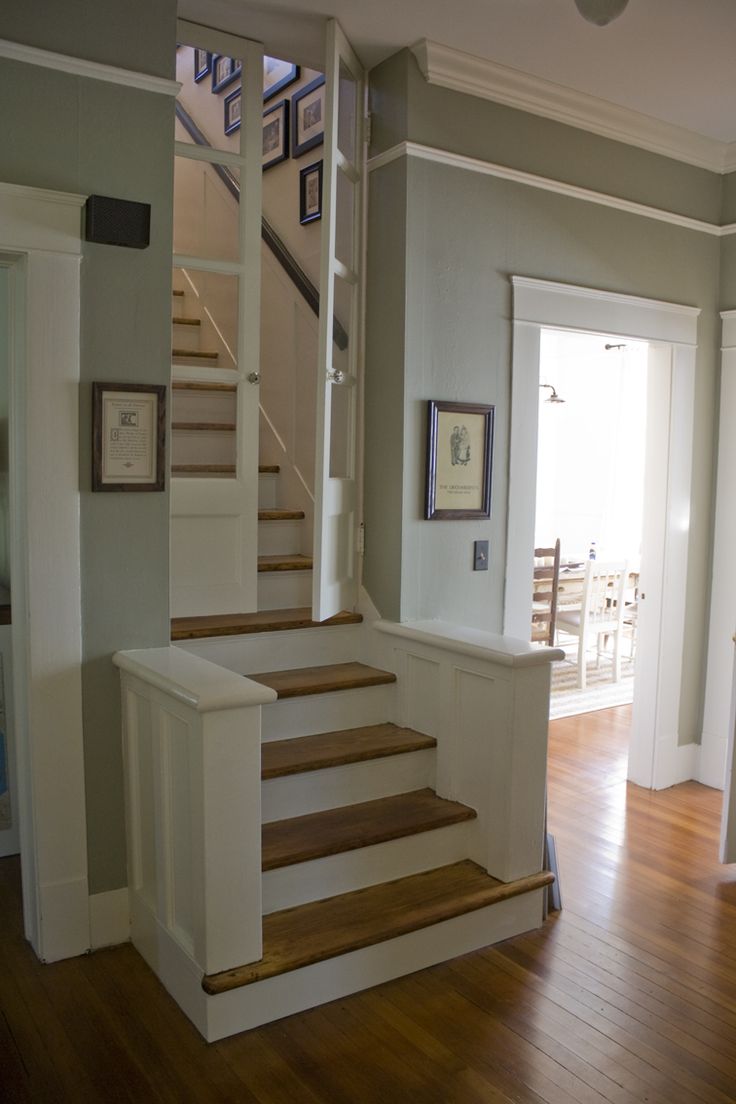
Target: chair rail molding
[81,67]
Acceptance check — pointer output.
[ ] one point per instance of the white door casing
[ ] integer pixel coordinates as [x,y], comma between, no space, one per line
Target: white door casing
[40,244]
[655,757]
[335,506]
[214,534]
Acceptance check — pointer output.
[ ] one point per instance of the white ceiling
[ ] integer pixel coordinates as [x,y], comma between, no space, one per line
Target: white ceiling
[673,60]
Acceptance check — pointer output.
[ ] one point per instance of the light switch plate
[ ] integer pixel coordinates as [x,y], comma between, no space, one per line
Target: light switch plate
[480,555]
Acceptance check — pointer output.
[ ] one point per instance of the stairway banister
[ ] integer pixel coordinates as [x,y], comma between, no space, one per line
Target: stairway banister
[192,754]
[485,699]
[285,258]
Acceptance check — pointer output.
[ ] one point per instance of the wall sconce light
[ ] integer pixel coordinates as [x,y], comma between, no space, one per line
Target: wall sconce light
[554,397]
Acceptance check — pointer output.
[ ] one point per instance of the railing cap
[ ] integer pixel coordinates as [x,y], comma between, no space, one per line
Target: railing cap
[196,682]
[505,650]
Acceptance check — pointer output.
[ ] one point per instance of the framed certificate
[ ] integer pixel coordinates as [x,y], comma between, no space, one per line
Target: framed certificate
[128,437]
[459,460]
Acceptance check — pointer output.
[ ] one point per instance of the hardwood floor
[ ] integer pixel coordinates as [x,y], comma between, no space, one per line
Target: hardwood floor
[628,994]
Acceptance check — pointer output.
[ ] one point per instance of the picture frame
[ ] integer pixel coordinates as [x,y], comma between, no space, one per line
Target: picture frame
[277,75]
[459,460]
[231,108]
[202,63]
[275,146]
[308,117]
[310,193]
[225,70]
[128,437]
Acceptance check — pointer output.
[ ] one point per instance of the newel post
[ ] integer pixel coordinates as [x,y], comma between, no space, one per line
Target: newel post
[192,753]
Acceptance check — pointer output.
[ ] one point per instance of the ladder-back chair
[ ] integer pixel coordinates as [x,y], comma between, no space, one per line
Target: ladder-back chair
[544,598]
[600,615]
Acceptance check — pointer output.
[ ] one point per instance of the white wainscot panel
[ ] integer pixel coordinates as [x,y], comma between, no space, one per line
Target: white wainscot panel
[205,550]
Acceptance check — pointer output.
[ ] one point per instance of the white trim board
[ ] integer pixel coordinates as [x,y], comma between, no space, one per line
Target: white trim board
[80,67]
[109,918]
[461,72]
[546,184]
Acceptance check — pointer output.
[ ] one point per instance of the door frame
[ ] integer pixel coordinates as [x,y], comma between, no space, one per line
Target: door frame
[40,244]
[656,759]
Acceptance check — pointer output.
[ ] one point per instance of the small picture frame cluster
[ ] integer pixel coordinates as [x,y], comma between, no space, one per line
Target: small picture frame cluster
[128,437]
[459,460]
[310,193]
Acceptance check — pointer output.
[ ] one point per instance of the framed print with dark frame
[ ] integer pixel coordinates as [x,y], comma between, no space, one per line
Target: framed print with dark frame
[310,193]
[202,63]
[224,71]
[277,74]
[128,437]
[308,117]
[459,460]
[275,134]
[232,111]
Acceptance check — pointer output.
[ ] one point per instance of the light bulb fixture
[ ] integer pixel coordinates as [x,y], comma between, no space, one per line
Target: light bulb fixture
[600,12]
[554,397]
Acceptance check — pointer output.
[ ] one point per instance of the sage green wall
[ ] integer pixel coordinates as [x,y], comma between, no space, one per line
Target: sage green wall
[728,210]
[466,235]
[72,134]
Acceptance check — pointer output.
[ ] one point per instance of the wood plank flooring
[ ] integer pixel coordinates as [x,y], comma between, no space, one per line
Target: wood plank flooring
[627,995]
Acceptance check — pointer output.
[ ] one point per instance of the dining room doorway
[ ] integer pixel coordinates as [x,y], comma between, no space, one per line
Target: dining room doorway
[591,454]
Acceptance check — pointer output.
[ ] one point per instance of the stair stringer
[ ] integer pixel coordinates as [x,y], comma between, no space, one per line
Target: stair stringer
[225,1014]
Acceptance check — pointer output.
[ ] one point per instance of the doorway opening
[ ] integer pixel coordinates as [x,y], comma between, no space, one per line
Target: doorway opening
[590,496]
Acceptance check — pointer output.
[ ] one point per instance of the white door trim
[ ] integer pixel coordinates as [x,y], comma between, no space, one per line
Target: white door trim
[656,759]
[40,242]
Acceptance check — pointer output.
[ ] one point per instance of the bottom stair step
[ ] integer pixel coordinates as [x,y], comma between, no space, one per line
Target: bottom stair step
[321,930]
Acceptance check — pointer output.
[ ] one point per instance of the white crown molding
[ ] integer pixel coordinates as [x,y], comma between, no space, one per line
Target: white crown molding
[489,168]
[475,76]
[93,70]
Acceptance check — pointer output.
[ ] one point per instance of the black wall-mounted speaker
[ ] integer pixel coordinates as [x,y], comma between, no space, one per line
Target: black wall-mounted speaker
[117,222]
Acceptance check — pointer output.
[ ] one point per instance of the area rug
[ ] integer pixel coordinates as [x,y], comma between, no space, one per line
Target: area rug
[600,693]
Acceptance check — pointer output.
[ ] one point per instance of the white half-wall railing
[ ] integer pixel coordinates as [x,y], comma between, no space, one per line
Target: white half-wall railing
[485,699]
[192,751]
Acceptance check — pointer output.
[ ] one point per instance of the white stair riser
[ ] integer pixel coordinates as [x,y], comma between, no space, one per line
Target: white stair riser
[310,792]
[184,336]
[203,406]
[279,538]
[284,589]
[268,488]
[202,447]
[280,651]
[253,1005]
[381,862]
[328,712]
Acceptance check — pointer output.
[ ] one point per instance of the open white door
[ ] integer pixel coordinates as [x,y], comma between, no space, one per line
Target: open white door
[728,820]
[335,562]
[217,266]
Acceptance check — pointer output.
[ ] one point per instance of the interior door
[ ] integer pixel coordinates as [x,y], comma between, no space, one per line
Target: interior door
[214,510]
[335,508]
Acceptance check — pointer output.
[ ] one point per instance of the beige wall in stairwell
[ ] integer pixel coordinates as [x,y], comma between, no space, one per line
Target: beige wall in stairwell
[68,133]
[447,329]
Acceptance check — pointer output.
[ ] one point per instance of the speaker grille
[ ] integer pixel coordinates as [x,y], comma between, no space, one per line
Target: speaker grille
[111,221]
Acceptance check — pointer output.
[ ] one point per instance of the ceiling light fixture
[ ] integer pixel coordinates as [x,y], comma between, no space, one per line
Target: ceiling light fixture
[600,12]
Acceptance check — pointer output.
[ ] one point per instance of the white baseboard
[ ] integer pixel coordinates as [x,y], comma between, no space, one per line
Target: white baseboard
[109,918]
[64,920]
[680,764]
[712,764]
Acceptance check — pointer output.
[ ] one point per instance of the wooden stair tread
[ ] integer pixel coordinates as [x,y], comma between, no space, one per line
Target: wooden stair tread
[194,354]
[215,427]
[186,321]
[203,469]
[280,515]
[235,624]
[268,469]
[285,563]
[314,932]
[333,831]
[333,749]
[177,292]
[202,385]
[303,681]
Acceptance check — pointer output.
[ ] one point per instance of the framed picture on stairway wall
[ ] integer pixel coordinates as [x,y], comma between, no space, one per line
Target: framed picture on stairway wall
[128,437]
[232,111]
[275,134]
[277,75]
[459,460]
[310,193]
[225,70]
[202,63]
[308,117]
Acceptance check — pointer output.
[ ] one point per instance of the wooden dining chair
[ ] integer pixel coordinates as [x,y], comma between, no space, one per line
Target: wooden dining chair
[544,597]
[601,614]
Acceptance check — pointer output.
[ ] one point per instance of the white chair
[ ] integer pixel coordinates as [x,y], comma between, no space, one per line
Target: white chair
[601,613]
